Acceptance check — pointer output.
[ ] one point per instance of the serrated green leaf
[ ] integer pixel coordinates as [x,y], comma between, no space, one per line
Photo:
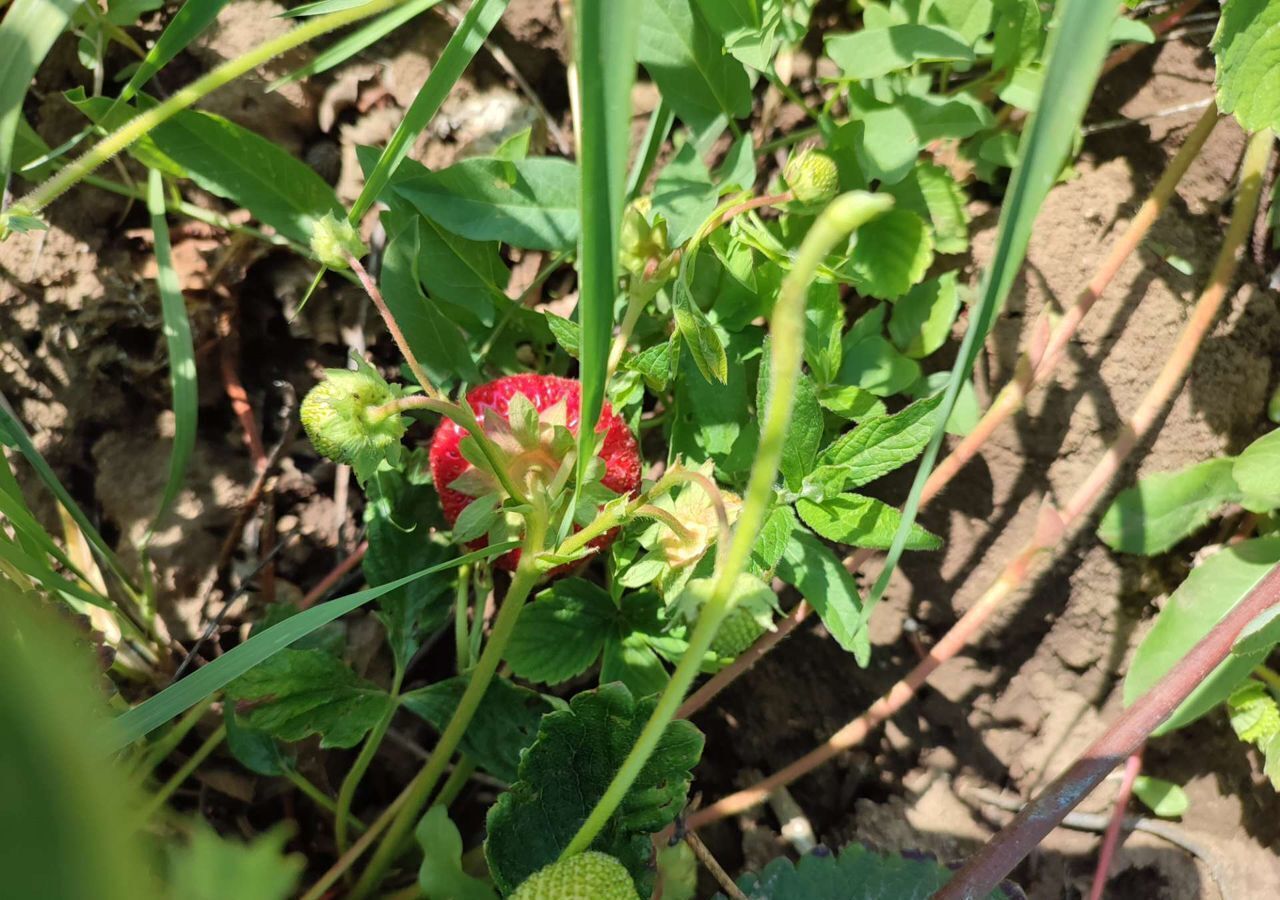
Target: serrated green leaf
[921,320]
[298,693]
[878,446]
[632,661]
[684,194]
[441,876]
[699,335]
[504,724]
[893,251]
[655,364]
[1204,598]
[933,193]
[714,420]
[561,633]
[1271,761]
[856,873]
[861,522]
[748,29]
[1257,473]
[1246,47]
[566,333]
[1164,798]
[774,537]
[687,60]
[1255,716]
[530,203]
[873,52]
[1162,509]
[212,867]
[875,365]
[813,570]
[852,402]
[566,771]
[824,323]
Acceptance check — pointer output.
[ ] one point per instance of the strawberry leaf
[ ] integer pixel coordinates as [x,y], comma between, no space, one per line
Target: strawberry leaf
[892,253]
[812,569]
[211,865]
[566,771]
[1247,49]
[880,445]
[861,522]
[561,633]
[921,321]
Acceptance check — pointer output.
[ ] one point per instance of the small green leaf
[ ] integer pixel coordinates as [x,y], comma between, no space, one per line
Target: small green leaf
[1257,473]
[812,569]
[477,518]
[893,251]
[566,333]
[565,773]
[1019,34]
[873,52]
[878,446]
[1246,47]
[212,867]
[467,274]
[875,365]
[852,402]
[530,203]
[861,522]
[441,876]
[253,748]
[298,693]
[700,336]
[933,193]
[1199,603]
[684,194]
[971,19]
[887,138]
[561,633]
[655,364]
[1164,508]
[504,724]
[1255,716]
[921,321]
[824,323]
[1164,798]
[774,537]
[714,420]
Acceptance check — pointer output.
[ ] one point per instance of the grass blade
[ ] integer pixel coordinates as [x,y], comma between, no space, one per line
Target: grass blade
[28,31]
[178,698]
[182,29]
[606,68]
[182,352]
[1075,56]
[660,122]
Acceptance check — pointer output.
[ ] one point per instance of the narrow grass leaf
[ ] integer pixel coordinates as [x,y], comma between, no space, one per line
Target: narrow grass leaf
[178,698]
[320,7]
[458,53]
[1075,57]
[182,29]
[182,352]
[28,31]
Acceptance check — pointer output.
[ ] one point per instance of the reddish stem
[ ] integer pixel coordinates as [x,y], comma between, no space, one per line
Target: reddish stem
[993,863]
[339,571]
[1112,838]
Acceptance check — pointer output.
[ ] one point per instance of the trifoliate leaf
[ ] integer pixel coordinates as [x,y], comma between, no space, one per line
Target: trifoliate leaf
[1257,473]
[441,876]
[211,867]
[880,445]
[561,633]
[1164,798]
[566,771]
[504,724]
[921,320]
[892,253]
[1247,49]
[1164,508]
[812,569]
[861,522]
[297,693]
[1209,593]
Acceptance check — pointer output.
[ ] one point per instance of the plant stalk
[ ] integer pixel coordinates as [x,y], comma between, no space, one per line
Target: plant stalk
[188,768]
[1111,840]
[372,741]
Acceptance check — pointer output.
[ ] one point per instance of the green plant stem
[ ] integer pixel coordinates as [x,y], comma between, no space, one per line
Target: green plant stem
[461,603]
[845,214]
[425,781]
[162,796]
[319,797]
[142,123]
[1270,676]
[394,328]
[169,741]
[372,742]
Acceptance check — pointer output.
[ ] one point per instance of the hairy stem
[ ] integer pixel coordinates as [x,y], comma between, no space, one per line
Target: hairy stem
[394,328]
[845,214]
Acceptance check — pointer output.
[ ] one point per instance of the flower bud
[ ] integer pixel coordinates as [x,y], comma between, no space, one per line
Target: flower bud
[333,239]
[812,176]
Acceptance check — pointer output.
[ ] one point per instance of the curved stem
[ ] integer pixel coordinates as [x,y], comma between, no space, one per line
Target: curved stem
[424,782]
[393,327]
[318,797]
[1111,840]
[373,741]
[841,217]
[162,796]
[142,123]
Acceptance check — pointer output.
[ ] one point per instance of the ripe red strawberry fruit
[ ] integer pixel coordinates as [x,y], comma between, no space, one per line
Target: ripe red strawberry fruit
[559,399]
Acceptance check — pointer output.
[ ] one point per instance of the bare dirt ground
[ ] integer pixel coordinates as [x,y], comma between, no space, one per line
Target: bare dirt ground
[81,359]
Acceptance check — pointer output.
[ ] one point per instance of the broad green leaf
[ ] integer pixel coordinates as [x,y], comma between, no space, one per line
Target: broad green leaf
[177,698]
[298,693]
[504,724]
[561,633]
[567,334]
[875,365]
[182,29]
[933,193]
[436,341]
[1164,798]
[699,335]
[253,748]
[873,52]
[856,873]
[1246,47]
[747,27]
[921,321]
[861,522]
[632,661]
[774,537]
[880,446]
[714,420]
[687,60]
[1257,473]
[1019,34]
[851,402]
[1162,509]
[533,822]
[477,518]
[441,876]
[738,170]
[400,513]
[1260,635]
[812,569]
[1205,597]
[467,274]
[530,203]
[804,434]
[892,253]
[605,41]
[887,138]
[971,19]
[213,867]
[27,32]
[684,194]
[181,350]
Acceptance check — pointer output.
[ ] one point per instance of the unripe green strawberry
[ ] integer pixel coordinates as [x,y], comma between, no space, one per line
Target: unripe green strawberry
[587,876]
[738,631]
[333,239]
[344,420]
[812,176]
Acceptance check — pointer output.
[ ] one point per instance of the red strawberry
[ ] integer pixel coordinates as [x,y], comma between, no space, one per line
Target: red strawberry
[618,449]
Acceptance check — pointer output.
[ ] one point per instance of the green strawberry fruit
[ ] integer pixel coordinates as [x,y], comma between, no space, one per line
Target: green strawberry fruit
[587,876]
[738,631]
[812,176]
